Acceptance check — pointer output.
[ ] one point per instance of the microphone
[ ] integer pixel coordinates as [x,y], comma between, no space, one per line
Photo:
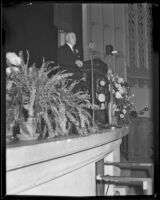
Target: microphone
[115,52]
[109,50]
[91,45]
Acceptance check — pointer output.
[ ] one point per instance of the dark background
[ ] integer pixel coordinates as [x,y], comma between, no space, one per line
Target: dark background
[31,26]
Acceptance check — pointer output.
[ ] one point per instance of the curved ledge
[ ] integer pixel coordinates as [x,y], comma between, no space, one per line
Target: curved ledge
[23,155]
[35,165]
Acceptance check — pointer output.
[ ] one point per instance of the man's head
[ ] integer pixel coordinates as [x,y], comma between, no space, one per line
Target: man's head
[71,38]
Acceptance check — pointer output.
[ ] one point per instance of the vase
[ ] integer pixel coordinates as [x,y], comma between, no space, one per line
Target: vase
[27,137]
[29,132]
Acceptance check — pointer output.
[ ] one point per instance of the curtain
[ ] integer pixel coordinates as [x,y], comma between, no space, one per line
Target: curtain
[63,16]
[31,28]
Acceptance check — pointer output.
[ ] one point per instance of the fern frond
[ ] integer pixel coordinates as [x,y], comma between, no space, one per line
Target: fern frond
[48,124]
[72,118]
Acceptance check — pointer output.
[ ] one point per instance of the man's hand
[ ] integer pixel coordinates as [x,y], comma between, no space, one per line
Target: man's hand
[79,63]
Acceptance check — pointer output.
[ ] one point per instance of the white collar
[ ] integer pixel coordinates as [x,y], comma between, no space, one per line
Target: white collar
[70,46]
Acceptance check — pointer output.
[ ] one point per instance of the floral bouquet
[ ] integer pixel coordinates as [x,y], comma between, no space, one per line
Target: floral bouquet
[123,108]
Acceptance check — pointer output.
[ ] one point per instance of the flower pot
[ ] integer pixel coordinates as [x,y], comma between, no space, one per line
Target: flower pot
[27,137]
[28,129]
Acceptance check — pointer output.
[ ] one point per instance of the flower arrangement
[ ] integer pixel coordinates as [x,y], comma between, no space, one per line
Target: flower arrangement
[43,106]
[123,108]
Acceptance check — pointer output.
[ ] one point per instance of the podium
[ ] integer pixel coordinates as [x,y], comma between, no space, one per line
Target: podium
[98,65]
[100,69]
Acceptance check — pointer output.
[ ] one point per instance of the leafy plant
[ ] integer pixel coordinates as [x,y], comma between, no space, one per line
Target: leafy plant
[60,108]
[52,105]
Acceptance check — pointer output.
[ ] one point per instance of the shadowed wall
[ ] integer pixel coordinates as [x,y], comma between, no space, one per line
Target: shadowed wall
[31,27]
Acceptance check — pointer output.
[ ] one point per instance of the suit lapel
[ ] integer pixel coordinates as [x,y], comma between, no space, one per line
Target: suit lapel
[73,52]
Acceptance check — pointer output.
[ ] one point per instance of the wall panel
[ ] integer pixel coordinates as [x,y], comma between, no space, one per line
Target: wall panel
[128,27]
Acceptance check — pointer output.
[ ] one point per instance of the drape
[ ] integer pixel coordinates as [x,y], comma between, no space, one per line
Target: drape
[63,16]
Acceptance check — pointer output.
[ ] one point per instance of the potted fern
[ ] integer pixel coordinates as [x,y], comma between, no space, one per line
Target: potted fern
[21,91]
[41,107]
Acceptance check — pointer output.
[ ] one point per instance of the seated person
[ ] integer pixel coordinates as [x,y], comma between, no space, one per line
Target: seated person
[68,57]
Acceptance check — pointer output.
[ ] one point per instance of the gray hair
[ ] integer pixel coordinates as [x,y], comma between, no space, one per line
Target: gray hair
[68,35]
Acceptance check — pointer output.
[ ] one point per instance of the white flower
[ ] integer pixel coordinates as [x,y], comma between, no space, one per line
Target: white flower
[13,59]
[120,80]
[120,90]
[124,111]
[117,85]
[101,97]
[8,70]
[121,116]
[102,83]
[118,95]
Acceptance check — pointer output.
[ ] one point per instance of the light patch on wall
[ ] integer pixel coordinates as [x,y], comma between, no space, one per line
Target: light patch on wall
[142,98]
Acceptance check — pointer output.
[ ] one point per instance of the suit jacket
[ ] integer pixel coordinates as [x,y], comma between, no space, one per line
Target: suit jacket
[67,58]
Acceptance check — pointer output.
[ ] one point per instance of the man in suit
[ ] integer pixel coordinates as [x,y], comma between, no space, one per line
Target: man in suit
[69,60]
[68,56]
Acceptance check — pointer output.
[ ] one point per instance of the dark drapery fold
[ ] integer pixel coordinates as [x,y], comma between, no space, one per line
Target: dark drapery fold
[63,16]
